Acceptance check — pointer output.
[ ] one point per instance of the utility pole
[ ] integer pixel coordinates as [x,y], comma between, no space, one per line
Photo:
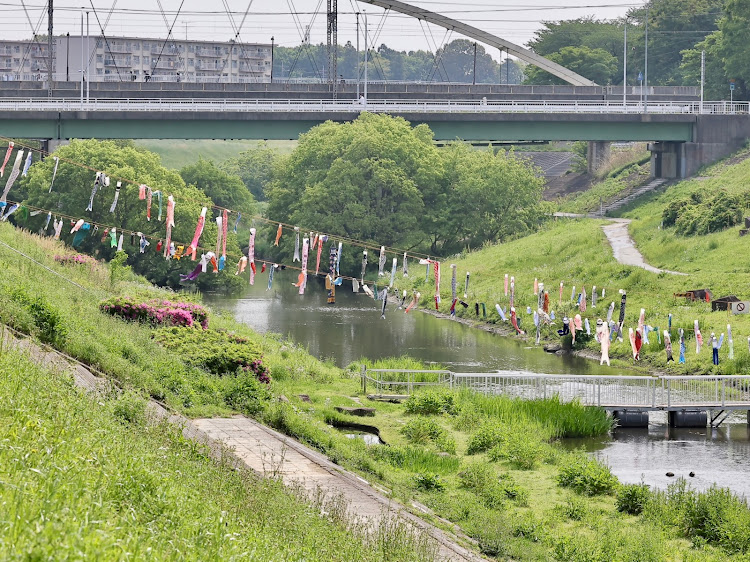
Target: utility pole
[366,50]
[474,73]
[332,40]
[49,48]
[625,67]
[83,68]
[358,61]
[88,58]
[645,68]
[271,60]
[67,57]
[703,77]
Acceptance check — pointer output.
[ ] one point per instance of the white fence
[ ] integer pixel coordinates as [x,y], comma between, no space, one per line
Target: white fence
[384,106]
[611,392]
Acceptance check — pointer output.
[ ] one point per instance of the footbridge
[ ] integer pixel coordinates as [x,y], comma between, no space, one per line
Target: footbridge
[692,401]
[684,135]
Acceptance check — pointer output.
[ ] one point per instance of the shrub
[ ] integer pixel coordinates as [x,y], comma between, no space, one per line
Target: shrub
[632,498]
[426,431]
[699,214]
[246,394]
[488,435]
[432,402]
[130,408]
[75,259]
[587,476]
[523,450]
[574,509]
[429,482]
[216,351]
[494,490]
[48,322]
[156,312]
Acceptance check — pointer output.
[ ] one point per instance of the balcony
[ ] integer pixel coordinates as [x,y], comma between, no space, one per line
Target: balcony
[116,47]
[117,61]
[215,52]
[252,68]
[6,64]
[252,53]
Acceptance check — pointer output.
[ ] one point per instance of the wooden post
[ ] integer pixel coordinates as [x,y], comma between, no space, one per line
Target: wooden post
[364,379]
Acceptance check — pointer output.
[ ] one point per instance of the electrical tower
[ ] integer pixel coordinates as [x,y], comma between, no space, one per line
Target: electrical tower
[332,42]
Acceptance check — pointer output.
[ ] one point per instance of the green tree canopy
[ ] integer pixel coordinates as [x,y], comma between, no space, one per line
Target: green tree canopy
[224,189]
[72,190]
[734,46]
[255,168]
[595,64]
[384,182]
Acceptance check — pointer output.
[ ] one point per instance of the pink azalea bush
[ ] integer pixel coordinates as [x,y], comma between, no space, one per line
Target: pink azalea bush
[157,312]
[75,259]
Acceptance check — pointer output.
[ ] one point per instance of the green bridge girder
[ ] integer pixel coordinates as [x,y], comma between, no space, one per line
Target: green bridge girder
[479,126]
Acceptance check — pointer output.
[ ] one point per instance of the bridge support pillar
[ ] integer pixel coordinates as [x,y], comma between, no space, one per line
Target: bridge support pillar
[688,418]
[631,418]
[50,145]
[668,159]
[597,154]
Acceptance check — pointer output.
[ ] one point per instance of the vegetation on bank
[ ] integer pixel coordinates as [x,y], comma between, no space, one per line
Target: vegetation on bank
[490,465]
[87,477]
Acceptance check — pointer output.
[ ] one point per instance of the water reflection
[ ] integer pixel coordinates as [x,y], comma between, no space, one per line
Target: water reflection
[716,455]
[352,329]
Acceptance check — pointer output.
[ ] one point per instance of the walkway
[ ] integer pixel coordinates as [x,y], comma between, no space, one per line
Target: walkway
[623,247]
[244,442]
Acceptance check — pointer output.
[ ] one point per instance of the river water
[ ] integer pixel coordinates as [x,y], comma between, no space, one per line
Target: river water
[352,329]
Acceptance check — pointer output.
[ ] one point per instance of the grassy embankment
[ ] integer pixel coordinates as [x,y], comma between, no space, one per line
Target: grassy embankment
[577,252]
[489,465]
[178,154]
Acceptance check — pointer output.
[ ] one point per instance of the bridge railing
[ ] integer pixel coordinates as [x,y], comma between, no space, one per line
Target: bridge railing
[612,392]
[356,106]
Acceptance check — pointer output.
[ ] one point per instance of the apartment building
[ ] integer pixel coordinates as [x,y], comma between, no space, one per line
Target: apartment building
[117,59]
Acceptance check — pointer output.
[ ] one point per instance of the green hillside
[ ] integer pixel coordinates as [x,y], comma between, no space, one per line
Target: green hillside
[179,153]
[576,252]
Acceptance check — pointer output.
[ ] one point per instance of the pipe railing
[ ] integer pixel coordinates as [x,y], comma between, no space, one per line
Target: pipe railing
[612,392]
[356,106]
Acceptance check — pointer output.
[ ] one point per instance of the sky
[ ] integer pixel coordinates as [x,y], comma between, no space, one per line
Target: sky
[286,20]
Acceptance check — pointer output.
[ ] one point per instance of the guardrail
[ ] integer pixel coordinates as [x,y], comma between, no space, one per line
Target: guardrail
[356,106]
[611,392]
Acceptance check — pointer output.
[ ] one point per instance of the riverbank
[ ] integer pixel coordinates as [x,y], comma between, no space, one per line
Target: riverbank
[492,466]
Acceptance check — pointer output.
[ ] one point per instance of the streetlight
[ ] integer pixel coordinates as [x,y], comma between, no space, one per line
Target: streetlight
[271,60]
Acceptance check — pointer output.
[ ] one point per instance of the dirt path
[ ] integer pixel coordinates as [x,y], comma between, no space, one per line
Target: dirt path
[245,442]
[624,249]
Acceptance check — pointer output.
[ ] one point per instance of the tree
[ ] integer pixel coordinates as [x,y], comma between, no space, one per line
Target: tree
[224,189]
[716,80]
[255,168]
[595,64]
[734,45]
[383,182]
[72,191]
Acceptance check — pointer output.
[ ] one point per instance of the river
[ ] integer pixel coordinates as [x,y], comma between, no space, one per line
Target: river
[352,329]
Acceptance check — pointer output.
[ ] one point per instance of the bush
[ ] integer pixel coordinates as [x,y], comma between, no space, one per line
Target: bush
[494,490]
[429,482]
[632,498]
[699,214]
[246,394]
[48,322]
[523,450]
[216,351]
[587,476]
[156,312]
[426,431]
[130,408]
[432,402]
[488,435]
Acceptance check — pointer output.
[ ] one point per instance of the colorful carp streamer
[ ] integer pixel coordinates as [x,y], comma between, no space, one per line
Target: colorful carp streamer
[193,248]
[698,337]
[251,255]
[415,296]
[270,276]
[730,341]
[27,165]
[514,319]
[15,171]
[364,266]
[224,225]
[668,346]
[11,144]
[501,313]
[101,180]
[381,262]
[170,226]
[466,285]
[454,282]
[394,266]
[593,297]
[296,244]
[278,236]
[602,334]
[302,279]
[506,285]
[54,173]
[405,266]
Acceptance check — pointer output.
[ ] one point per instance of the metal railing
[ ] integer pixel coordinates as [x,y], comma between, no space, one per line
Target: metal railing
[611,392]
[356,106]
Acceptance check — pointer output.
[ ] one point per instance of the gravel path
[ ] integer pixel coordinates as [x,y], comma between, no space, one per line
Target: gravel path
[624,249]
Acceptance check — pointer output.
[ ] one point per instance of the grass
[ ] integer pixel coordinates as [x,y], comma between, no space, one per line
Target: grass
[86,477]
[177,154]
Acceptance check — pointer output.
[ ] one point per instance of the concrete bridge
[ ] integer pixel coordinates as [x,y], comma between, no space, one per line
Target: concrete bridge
[684,135]
[691,401]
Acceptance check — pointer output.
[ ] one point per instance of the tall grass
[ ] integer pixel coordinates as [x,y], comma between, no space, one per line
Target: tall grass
[84,478]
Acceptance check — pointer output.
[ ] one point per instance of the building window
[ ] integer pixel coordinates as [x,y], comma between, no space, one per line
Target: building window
[136,59]
[191,62]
